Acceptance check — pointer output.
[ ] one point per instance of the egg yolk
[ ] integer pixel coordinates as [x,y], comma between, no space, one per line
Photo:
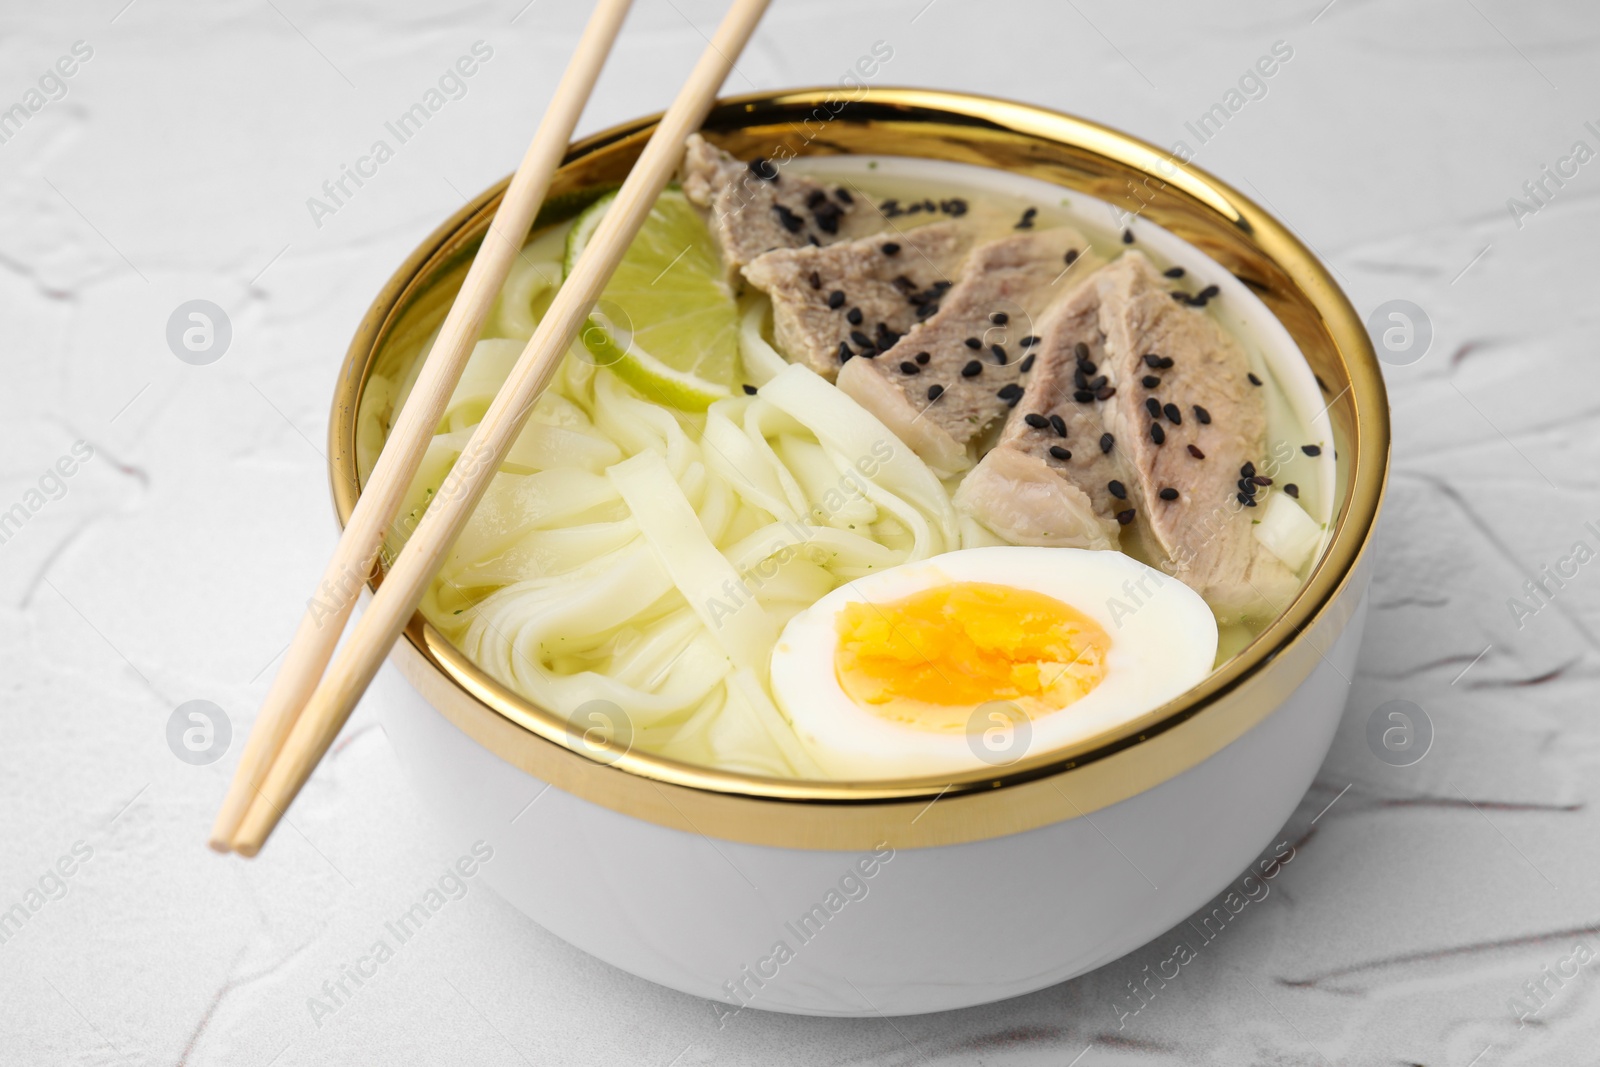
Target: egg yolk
[928,660]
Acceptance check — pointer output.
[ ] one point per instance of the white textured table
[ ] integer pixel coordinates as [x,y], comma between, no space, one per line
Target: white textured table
[175,164]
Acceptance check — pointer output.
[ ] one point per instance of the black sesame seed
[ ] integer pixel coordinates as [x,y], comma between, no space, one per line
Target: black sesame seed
[922,358]
[1172,413]
[853,316]
[1127,237]
[816,280]
[941,286]
[999,318]
[1246,501]
[790,221]
[1210,292]
[1168,493]
[1000,356]
[1117,489]
[1311,450]
[1097,383]
[1247,487]
[1250,502]
[836,299]
[1166,363]
[1248,470]
[868,353]
[764,169]
[972,369]
[927,311]
[1080,379]
[1027,364]
[1071,257]
[1083,396]
[903,283]
[1028,341]
[1149,381]
[909,367]
[1253,379]
[1060,453]
[1157,434]
[891,208]
[844,352]
[826,217]
[954,206]
[1106,442]
[1293,490]
[1196,453]
[1152,360]
[1010,391]
[935,392]
[1203,415]
[1153,406]
[1038,422]
[886,337]
[860,340]
[816,196]
[1180,297]
[1106,393]
[973,343]
[891,249]
[749,390]
[1125,517]
[1026,222]
[1261,479]
[1173,272]
[1081,351]
[1058,424]
[844,196]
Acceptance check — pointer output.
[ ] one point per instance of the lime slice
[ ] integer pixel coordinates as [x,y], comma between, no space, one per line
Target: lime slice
[667,323]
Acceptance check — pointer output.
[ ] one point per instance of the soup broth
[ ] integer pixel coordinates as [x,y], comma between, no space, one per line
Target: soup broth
[581,587]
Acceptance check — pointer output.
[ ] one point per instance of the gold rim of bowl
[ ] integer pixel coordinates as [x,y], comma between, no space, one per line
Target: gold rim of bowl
[1041,788]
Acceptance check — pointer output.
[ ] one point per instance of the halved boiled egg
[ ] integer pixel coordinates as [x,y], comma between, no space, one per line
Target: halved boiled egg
[981,656]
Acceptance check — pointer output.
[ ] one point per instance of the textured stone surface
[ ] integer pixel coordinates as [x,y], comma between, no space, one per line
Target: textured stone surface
[177,167]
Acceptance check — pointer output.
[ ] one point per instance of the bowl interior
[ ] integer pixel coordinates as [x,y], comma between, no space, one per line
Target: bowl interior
[1073,153]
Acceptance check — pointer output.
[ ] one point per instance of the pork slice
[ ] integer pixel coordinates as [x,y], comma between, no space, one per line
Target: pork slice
[1200,385]
[856,297]
[754,209]
[961,369]
[1055,479]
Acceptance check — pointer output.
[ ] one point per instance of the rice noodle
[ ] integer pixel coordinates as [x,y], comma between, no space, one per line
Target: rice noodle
[646,557]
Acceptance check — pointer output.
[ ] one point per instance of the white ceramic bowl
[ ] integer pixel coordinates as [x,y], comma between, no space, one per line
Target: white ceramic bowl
[910,896]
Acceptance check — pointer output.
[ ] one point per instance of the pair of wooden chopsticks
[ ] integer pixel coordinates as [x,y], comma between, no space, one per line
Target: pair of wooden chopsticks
[305,708]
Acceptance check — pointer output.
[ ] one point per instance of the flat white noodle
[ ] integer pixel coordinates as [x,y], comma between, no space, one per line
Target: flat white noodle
[761,361]
[632,553]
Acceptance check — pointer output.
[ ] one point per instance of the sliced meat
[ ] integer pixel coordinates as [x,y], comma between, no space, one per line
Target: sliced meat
[754,209]
[1204,534]
[1023,497]
[1055,479]
[958,371]
[856,297]
[1179,414]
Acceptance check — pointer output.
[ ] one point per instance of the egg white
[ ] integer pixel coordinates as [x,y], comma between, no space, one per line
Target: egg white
[1163,642]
